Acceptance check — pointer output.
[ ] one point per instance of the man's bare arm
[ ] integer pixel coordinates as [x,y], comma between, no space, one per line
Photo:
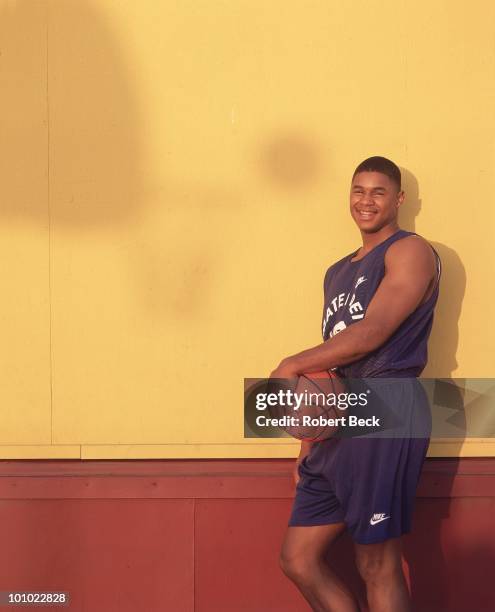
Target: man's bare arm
[410,269]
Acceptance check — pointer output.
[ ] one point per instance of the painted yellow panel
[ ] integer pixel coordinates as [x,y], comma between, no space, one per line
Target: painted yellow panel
[25,403]
[199,160]
[201,192]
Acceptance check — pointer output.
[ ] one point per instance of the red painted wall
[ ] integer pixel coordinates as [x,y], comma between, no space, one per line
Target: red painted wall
[204,536]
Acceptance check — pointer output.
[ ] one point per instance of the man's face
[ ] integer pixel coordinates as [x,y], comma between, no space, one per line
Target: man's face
[374,201]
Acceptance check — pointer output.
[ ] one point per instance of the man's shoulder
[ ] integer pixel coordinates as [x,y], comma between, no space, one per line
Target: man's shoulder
[412,244]
[412,248]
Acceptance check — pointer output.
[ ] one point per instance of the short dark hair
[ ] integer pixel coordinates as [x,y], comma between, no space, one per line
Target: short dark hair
[380,164]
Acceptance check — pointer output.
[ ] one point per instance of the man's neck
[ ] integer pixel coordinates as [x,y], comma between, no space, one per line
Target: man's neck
[372,239]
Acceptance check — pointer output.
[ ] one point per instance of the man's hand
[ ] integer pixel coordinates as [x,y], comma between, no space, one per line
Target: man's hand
[286,369]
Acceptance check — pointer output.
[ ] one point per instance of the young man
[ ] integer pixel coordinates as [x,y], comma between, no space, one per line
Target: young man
[377,318]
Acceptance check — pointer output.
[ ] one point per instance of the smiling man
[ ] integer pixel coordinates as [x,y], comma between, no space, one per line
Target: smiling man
[377,317]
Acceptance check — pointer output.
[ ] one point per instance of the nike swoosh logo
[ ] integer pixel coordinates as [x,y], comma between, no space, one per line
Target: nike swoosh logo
[375,521]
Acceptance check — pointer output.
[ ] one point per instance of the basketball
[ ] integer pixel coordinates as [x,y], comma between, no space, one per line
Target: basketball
[316,412]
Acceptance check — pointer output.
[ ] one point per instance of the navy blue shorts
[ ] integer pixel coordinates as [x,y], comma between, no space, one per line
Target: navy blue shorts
[367,482]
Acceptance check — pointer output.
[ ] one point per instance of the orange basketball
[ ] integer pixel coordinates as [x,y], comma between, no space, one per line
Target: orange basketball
[318,413]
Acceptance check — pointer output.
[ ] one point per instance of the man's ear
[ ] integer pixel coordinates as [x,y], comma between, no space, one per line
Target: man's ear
[401,196]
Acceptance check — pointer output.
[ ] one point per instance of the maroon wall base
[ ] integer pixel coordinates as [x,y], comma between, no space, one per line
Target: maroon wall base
[204,536]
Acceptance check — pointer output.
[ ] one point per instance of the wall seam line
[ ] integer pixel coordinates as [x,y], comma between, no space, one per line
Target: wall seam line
[49,224]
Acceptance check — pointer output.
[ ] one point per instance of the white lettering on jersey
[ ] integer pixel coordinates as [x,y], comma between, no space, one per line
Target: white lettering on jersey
[340,301]
[338,327]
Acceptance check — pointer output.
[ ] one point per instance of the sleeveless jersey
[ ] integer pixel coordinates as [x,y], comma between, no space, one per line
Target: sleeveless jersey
[348,289]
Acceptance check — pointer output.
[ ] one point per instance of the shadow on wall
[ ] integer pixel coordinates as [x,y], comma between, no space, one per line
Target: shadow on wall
[76,132]
[76,138]
[92,143]
[442,349]
[444,339]
[291,162]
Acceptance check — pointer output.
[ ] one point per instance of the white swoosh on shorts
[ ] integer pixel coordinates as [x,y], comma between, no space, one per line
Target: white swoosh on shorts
[374,521]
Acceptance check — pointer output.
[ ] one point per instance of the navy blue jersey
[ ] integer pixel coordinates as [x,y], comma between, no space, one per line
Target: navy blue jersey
[349,287]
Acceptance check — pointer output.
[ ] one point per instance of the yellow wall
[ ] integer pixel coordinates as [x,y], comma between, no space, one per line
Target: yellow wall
[174,184]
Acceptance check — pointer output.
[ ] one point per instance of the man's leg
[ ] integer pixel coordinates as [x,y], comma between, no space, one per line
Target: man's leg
[380,566]
[302,560]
